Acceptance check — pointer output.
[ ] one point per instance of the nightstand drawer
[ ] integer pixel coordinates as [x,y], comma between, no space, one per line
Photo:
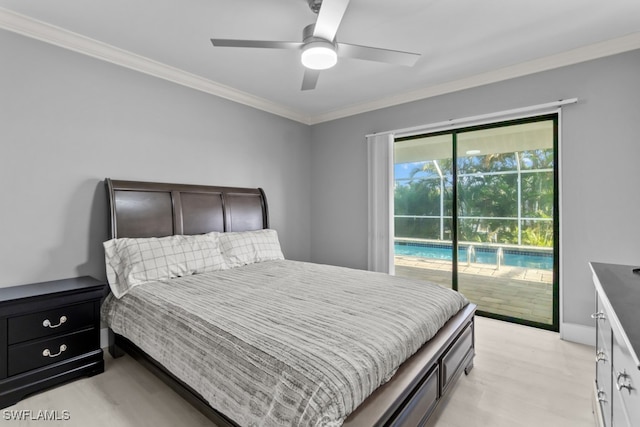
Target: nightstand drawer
[27,356]
[49,334]
[50,322]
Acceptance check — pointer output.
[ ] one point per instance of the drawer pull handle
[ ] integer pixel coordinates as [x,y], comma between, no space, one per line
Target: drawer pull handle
[623,381]
[47,322]
[601,356]
[598,315]
[47,353]
[602,396]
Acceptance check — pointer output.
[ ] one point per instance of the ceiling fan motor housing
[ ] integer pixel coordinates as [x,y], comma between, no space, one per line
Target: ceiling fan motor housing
[307,35]
[317,53]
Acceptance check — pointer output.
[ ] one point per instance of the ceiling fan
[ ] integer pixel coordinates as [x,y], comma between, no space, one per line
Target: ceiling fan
[319,47]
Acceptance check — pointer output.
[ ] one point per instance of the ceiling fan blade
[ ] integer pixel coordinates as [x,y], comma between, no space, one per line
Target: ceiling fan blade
[329,18]
[256,43]
[377,54]
[310,79]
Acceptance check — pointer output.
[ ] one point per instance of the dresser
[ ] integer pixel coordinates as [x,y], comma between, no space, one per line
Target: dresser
[49,334]
[617,318]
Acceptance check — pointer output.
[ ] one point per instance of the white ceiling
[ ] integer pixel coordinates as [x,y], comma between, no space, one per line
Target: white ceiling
[463,43]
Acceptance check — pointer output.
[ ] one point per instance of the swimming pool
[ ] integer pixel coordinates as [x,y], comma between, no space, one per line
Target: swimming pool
[512,257]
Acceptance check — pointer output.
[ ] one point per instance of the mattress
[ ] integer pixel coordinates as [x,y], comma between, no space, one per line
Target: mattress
[283,342]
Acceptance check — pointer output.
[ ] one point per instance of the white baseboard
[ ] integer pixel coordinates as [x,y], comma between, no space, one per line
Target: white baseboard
[580,334]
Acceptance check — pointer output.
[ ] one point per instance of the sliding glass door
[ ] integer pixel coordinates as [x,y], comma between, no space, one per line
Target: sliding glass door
[476,210]
[423,206]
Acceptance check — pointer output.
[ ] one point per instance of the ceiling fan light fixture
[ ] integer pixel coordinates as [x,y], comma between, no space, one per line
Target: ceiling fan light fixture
[319,55]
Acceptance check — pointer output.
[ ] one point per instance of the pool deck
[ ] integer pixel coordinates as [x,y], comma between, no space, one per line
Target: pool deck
[511,291]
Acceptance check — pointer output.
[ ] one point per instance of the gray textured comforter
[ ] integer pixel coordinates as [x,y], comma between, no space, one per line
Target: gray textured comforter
[283,343]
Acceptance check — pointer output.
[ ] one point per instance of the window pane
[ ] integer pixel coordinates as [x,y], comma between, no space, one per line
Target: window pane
[423,208]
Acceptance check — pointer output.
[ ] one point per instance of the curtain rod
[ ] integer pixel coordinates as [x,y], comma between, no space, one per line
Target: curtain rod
[452,122]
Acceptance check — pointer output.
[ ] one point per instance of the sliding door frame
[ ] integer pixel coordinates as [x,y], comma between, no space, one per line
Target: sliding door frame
[555,118]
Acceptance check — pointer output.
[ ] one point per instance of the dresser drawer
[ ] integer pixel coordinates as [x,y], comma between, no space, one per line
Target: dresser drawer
[50,322]
[603,384]
[35,354]
[626,382]
[603,342]
[603,326]
[617,341]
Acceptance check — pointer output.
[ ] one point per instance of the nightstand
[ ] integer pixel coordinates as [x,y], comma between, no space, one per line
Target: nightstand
[49,334]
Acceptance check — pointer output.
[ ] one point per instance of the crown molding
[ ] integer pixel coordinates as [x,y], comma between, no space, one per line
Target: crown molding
[574,56]
[57,36]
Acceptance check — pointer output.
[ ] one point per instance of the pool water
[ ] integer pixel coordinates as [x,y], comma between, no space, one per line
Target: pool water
[512,257]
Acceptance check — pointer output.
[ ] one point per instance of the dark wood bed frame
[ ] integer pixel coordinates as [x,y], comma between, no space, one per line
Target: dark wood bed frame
[145,209]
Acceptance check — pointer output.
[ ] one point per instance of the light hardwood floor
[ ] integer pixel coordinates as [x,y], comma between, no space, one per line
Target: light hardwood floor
[522,377]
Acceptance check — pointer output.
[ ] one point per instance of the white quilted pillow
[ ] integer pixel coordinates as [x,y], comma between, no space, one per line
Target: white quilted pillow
[131,262]
[247,247]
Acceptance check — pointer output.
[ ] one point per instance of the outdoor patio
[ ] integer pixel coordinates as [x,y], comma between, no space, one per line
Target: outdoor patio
[511,291]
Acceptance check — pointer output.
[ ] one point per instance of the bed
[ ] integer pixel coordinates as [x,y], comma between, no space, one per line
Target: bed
[305,370]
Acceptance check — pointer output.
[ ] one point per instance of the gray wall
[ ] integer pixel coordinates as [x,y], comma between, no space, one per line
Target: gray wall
[600,167]
[67,121]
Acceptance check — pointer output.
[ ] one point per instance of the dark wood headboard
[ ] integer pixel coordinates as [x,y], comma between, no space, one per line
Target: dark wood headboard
[151,209]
